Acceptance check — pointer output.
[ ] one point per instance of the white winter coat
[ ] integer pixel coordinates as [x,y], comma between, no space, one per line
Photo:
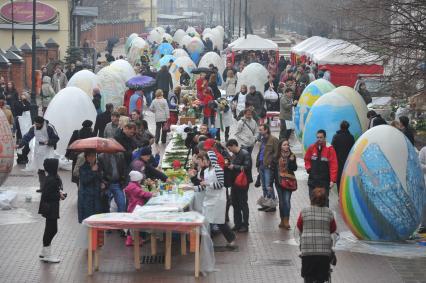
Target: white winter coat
[161,110]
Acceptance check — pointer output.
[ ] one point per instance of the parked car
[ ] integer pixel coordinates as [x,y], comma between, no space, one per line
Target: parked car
[378,85]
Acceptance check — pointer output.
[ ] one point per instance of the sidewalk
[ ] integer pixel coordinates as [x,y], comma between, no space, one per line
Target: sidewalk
[262,256]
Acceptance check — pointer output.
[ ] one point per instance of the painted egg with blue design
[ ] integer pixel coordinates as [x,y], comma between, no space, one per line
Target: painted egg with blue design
[310,94]
[382,191]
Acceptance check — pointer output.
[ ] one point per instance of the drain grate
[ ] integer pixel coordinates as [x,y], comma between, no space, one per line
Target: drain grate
[273,262]
[152,259]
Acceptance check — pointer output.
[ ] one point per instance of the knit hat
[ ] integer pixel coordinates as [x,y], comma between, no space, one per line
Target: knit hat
[87,123]
[135,176]
[145,151]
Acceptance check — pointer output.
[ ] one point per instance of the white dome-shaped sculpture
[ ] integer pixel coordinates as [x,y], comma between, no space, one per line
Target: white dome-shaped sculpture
[179,34]
[136,50]
[84,80]
[179,52]
[186,39]
[186,63]
[126,70]
[212,58]
[254,74]
[155,36]
[67,111]
[112,86]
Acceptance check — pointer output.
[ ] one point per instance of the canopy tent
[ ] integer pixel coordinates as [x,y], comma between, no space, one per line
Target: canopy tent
[343,59]
[252,43]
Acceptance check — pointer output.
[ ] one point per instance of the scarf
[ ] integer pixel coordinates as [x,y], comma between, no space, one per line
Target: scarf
[283,163]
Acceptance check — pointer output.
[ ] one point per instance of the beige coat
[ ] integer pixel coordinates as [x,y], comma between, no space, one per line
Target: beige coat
[47,91]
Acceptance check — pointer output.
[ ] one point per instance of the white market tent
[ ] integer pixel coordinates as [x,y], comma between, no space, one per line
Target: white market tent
[309,42]
[348,54]
[252,42]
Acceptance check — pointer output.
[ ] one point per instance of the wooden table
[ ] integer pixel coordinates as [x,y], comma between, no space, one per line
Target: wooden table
[168,225]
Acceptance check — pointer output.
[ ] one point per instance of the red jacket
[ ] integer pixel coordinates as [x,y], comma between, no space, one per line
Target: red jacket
[127,96]
[207,111]
[322,170]
[135,196]
[201,84]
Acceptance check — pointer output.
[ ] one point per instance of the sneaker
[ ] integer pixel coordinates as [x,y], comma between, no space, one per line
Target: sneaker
[43,252]
[48,257]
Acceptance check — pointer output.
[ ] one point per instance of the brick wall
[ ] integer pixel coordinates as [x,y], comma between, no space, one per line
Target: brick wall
[17,75]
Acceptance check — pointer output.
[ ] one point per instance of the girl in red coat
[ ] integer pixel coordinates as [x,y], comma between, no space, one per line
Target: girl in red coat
[208,107]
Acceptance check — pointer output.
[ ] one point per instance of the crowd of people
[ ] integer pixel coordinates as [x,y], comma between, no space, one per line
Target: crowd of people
[222,171]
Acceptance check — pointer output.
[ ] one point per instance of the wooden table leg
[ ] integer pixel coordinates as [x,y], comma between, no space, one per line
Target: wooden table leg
[183,243]
[97,259]
[153,244]
[137,256]
[89,253]
[168,260]
[192,242]
[197,252]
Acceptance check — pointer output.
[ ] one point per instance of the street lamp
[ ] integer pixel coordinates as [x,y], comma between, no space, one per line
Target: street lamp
[246,20]
[13,23]
[34,108]
[239,21]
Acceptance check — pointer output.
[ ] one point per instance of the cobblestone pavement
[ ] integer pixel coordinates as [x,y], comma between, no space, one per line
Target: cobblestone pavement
[262,255]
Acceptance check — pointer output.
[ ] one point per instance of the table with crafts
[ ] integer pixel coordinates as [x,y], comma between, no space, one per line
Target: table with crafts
[166,213]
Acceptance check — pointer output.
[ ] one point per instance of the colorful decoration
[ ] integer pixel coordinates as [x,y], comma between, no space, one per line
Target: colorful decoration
[6,148]
[382,192]
[329,111]
[308,97]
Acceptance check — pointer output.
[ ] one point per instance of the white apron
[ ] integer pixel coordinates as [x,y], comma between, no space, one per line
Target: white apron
[41,152]
[214,204]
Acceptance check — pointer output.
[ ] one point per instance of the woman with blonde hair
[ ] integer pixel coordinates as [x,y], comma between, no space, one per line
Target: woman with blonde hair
[160,108]
[230,83]
[124,119]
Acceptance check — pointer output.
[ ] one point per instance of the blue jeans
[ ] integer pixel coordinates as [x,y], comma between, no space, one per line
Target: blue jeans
[284,197]
[115,192]
[148,96]
[265,180]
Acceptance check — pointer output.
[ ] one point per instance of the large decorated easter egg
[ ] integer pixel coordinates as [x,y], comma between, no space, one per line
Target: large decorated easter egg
[212,58]
[382,191]
[84,80]
[308,97]
[126,70]
[179,34]
[136,50]
[6,148]
[328,112]
[67,111]
[186,63]
[254,74]
[179,52]
[128,42]
[112,86]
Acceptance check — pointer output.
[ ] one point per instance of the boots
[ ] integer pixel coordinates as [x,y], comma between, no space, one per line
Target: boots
[48,257]
[129,241]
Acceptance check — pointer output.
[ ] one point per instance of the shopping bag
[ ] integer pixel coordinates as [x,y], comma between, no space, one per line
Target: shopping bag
[241,181]
[25,122]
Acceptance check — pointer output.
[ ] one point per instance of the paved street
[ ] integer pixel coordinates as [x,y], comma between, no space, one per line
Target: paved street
[262,256]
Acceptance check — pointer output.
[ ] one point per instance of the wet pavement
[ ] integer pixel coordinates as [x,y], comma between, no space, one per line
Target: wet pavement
[262,255]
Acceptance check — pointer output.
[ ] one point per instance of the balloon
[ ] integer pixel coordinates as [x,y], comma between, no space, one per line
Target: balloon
[254,74]
[195,45]
[179,52]
[179,34]
[212,58]
[112,86]
[84,80]
[126,70]
[67,111]
[6,148]
[186,63]
[136,50]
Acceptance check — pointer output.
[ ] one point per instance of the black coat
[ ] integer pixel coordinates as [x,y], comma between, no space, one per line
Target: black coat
[242,161]
[50,196]
[215,89]
[164,81]
[342,143]
[409,133]
[129,145]
[101,121]
[21,106]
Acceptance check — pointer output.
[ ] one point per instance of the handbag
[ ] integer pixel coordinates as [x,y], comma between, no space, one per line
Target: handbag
[288,183]
[241,180]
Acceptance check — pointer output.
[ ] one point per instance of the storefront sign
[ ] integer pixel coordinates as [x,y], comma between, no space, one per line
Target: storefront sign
[23,13]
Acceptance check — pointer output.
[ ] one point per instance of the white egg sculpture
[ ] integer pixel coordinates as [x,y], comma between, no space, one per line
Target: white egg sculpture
[206,31]
[186,63]
[67,111]
[155,36]
[136,50]
[212,58]
[186,39]
[112,86]
[85,80]
[179,52]
[213,38]
[6,148]
[254,74]
[168,37]
[126,70]
[179,34]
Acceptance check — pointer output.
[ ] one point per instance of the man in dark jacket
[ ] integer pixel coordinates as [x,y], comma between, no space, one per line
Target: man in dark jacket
[184,77]
[114,172]
[103,119]
[406,129]
[321,165]
[375,119]
[46,139]
[241,161]
[342,142]
[255,99]
[125,137]
[164,81]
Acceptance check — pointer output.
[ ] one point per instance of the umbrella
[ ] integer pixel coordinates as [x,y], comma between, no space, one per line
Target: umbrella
[100,145]
[166,59]
[140,82]
[165,48]
[201,70]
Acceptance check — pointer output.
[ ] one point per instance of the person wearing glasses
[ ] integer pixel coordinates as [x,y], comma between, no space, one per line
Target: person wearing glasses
[321,165]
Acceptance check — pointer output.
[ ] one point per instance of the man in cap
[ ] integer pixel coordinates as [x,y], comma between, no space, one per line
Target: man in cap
[46,139]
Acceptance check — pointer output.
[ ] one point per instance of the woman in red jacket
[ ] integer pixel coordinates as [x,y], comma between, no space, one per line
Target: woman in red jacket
[208,107]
